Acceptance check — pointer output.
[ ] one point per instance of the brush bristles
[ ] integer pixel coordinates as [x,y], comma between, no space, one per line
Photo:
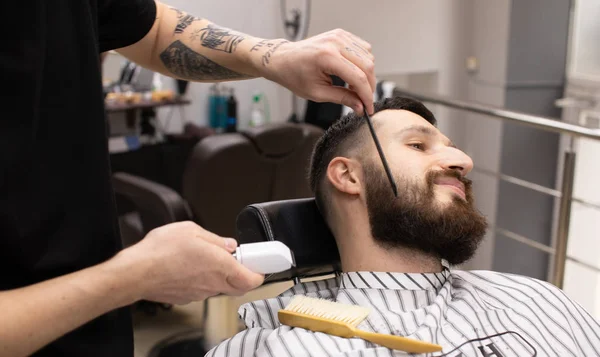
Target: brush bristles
[325,309]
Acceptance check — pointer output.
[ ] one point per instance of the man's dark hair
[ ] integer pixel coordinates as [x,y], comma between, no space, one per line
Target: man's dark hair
[343,135]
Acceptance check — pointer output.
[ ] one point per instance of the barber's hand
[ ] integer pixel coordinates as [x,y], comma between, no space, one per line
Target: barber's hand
[304,68]
[182,262]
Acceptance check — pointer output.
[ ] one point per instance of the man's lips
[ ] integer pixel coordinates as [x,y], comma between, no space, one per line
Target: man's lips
[452,183]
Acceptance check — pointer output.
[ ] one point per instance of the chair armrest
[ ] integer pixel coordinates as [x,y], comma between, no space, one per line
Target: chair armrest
[157,204]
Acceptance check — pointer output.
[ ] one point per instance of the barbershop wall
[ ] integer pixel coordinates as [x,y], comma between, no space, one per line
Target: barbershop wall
[489,35]
[539,29]
[583,82]
[404,33]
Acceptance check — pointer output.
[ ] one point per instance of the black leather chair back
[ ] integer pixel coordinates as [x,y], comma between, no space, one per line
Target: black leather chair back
[299,225]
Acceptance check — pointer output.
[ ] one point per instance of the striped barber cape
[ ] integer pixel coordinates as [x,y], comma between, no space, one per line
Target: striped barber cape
[474,314]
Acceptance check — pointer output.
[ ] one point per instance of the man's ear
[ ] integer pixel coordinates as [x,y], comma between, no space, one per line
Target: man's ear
[343,174]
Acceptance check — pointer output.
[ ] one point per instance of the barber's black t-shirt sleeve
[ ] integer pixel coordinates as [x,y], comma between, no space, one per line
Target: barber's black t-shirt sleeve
[124,22]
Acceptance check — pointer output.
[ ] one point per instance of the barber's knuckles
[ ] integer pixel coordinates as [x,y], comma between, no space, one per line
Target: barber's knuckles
[342,38]
[187,236]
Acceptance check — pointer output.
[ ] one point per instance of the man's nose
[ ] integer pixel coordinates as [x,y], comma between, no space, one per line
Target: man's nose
[454,159]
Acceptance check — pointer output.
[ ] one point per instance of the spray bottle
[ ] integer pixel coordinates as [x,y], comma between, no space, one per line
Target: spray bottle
[260,110]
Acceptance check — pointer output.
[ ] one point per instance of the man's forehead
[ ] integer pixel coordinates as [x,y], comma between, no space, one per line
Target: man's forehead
[391,122]
[396,120]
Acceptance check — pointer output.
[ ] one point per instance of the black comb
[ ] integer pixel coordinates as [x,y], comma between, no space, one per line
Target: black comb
[381,155]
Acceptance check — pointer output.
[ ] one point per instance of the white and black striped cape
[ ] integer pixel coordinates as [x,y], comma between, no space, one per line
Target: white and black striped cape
[475,314]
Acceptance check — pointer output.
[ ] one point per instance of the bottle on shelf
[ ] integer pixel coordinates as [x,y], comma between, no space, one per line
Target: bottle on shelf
[221,108]
[231,125]
[217,107]
[213,103]
[260,110]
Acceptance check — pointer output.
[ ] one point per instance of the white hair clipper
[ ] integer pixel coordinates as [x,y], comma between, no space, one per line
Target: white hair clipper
[265,257]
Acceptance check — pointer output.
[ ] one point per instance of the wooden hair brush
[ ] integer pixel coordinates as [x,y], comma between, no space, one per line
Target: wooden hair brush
[339,319]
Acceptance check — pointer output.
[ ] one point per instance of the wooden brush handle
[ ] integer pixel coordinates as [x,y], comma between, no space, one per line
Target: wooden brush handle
[398,343]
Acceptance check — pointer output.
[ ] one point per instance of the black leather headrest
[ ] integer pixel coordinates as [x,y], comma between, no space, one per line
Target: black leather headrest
[299,225]
[276,139]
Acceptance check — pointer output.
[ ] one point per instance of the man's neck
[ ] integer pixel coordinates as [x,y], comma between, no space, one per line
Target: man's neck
[396,260]
[360,252]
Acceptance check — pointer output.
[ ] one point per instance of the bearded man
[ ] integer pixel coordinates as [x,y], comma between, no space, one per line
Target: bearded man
[398,254]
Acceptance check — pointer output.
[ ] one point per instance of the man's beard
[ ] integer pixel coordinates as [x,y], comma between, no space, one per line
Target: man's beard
[415,220]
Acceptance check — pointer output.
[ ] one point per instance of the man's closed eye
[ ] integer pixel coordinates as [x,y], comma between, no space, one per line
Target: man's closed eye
[418,146]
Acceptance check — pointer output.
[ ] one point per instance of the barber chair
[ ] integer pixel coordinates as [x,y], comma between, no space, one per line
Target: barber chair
[223,174]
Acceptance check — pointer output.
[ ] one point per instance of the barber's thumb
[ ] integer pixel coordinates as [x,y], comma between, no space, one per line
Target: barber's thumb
[343,96]
[230,244]
[242,279]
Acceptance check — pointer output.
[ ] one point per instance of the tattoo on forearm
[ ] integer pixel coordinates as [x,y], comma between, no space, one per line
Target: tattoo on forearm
[180,13]
[260,45]
[184,62]
[184,20]
[272,47]
[217,38]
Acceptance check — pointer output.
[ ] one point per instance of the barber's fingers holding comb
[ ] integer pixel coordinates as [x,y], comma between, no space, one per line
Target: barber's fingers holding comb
[358,51]
[359,71]
[305,67]
[359,89]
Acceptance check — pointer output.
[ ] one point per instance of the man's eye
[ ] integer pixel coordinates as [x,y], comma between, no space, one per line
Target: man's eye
[418,146]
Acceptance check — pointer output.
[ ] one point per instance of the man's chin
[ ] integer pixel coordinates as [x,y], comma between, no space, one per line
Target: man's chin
[444,201]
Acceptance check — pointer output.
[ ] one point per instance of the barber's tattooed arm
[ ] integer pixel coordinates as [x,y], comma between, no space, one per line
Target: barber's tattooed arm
[185,46]
[190,47]
[183,62]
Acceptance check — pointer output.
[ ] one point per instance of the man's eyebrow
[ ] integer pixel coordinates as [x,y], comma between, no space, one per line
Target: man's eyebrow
[424,130]
[420,128]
